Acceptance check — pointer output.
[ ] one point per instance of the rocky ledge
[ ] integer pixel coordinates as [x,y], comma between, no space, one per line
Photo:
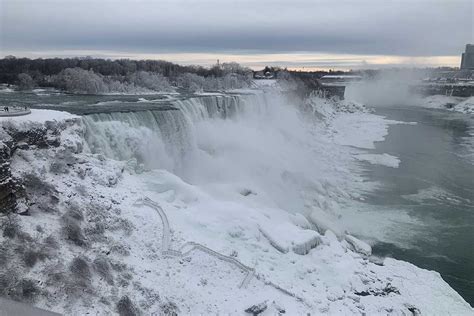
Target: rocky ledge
[26,134]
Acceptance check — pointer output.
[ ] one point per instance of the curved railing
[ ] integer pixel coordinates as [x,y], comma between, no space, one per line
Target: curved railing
[167,251]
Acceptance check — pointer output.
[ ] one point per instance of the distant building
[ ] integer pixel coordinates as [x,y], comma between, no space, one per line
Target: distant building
[467,60]
[267,73]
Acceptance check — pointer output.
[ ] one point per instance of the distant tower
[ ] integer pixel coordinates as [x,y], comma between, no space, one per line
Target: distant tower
[218,64]
[467,59]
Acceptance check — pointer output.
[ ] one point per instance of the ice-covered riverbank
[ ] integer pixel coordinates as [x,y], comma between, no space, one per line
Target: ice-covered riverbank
[458,104]
[254,178]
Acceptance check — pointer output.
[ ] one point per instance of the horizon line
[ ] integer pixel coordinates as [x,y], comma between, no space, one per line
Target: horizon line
[295,61]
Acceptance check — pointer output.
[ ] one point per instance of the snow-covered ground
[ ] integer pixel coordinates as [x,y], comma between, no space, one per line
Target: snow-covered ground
[458,104]
[38,116]
[6,89]
[261,205]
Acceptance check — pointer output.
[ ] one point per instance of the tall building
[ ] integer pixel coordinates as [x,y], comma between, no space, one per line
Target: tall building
[467,60]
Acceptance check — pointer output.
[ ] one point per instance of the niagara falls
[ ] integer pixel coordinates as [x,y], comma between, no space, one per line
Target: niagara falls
[236,157]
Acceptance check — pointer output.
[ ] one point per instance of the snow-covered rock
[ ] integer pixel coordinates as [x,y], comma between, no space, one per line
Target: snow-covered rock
[300,221]
[457,104]
[285,236]
[40,129]
[325,221]
[257,309]
[466,106]
[359,246]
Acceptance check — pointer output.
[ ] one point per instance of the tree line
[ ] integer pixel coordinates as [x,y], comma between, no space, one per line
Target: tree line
[95,75]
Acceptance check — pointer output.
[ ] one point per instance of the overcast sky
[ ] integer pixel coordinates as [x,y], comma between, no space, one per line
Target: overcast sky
[293,33]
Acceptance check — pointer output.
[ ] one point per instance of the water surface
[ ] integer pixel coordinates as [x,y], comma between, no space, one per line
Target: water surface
[434,184]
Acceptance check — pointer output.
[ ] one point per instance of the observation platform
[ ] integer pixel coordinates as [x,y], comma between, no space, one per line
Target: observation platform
[14,111]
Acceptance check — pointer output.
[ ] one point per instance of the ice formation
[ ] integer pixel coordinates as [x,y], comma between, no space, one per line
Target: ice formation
[246,194]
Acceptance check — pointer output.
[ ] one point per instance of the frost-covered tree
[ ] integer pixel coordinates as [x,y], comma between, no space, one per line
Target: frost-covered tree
[151,81]
[237,81]
[99,76]
[233,67]
[25,82]
[78,80]
[191,82]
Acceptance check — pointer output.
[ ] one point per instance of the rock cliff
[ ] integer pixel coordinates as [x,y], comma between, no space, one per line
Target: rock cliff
[23,136]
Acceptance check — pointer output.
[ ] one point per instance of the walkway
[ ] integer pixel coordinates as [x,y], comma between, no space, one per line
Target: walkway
[190,246]
[14,111]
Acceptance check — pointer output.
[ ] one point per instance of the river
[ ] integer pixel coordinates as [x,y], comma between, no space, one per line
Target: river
[434,184]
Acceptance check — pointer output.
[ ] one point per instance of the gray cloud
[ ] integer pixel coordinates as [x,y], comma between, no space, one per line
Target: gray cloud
[403,27]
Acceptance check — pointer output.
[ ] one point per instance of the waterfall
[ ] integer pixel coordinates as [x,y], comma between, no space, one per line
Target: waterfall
[158,139]
[260,142]
[222,106]
[163,138]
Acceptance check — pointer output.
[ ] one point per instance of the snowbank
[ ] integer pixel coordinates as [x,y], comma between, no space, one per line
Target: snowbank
[5,89]
[301,241]
[332,276]
[458,104]
[351,123]
[466,106]
[359,246]
[360,130]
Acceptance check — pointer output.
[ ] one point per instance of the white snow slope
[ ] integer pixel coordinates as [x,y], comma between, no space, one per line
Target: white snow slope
[457,104]
[250,214]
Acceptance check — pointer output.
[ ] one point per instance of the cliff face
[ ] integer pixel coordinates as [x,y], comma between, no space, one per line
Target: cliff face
[67,251]
[15,137]
[7,186]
